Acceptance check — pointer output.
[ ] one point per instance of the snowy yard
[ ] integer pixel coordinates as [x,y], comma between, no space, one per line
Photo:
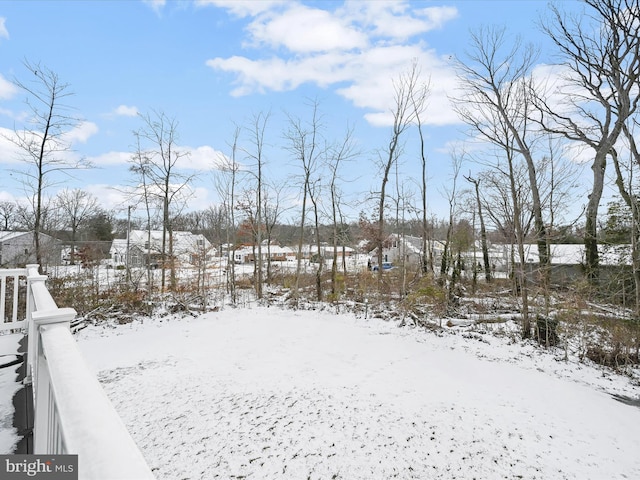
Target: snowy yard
[270,394]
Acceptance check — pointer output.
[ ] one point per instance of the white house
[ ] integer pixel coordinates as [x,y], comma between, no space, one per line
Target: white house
[18,249]
[566,254]
[277,253]
[397,248]
[145,248]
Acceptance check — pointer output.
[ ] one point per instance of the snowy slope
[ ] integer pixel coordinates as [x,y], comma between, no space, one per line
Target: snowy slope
[270,394]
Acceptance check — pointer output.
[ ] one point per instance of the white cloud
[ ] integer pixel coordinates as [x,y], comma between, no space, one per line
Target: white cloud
[7,197]
[304,29]
[564,94]
[110,159]
[397,20]
[156,5]
[199,198]
[279,74]
[9,152]
[244,8]
[358,48]
[373,71]
[578,152]
[4,33]
[126,111]
[7,88]
[203,158]
[81,133]
[111,197]
[120,197]
[436,17]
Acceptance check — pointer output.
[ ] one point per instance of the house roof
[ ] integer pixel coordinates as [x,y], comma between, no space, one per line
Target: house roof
[414,244]
[141,236]
[182,241]
[574,254]
[5,236]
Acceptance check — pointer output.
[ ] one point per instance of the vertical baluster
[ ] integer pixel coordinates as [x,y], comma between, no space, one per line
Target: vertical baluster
[16,290]
[3,293]
[33,335]
[55,427]
[31,330]
[42,405]
[51,434]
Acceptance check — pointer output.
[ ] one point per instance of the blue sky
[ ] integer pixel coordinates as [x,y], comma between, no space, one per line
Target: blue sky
[212,65]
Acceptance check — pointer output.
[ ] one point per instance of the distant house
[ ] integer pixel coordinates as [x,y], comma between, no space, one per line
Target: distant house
[567,260]
[569,254]
[144,248]
[406,248]
[247,253]
[277,253]
[18,249]
[340,252]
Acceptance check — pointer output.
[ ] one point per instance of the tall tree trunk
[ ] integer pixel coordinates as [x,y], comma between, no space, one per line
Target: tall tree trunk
[592,262]
[523,284]
[319,270]
[296,284]
[483,231]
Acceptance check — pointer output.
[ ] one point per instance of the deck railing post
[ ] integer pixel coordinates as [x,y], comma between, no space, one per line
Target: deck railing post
[47,438]
[32,334]
[42,407]
[72,414]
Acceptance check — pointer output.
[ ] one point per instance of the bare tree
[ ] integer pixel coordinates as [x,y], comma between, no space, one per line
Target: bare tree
[506,199]
[419,97]
[227,189]
[142,189]
[160,162]
[257,132]
[25,219]
[452,197]
[304,145]
[8,214]
[600,50]
[273,210]
[43,142]
[76,207]
[405,201]
[403,113]
[315,189]
[627,186]
[496,103]
[337,155]
[483,229]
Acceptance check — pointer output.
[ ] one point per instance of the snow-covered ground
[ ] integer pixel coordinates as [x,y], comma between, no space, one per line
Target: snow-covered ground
[267,393]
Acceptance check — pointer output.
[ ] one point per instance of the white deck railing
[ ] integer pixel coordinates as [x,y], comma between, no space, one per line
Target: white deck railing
[12,316]
[72,414]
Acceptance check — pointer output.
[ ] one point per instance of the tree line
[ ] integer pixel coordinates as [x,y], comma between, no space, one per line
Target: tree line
[513,177]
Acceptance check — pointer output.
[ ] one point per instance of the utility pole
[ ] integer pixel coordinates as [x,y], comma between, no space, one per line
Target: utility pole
[128,242]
